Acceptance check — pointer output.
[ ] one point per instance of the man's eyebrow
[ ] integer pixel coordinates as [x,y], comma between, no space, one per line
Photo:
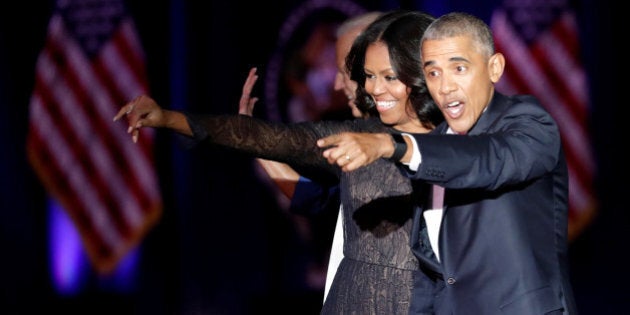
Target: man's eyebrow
[458,59]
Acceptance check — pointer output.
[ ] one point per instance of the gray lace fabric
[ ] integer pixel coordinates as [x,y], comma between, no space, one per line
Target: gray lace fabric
[376,273]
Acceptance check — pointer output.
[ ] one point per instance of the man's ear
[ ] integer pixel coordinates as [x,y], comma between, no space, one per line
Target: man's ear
[496,64]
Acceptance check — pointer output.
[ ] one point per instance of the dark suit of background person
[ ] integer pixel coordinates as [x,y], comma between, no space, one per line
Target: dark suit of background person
[503,237]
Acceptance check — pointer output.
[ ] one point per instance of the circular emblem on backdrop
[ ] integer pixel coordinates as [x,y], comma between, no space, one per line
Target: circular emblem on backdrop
[299,82]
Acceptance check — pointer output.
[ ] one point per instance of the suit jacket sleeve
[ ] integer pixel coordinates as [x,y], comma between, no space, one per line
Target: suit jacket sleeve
[514,141]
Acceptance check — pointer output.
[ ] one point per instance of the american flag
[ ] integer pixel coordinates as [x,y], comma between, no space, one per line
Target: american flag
[90,65]
[540,41]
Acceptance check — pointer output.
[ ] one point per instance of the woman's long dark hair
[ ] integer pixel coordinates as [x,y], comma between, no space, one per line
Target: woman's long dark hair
[401,31]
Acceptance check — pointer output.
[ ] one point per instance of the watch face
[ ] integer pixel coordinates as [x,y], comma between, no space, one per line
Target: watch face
[400,147]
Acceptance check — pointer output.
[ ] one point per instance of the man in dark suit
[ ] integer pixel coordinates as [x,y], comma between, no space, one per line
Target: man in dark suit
[498,242]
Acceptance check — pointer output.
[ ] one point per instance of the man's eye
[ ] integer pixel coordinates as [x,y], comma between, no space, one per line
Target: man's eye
[461,68]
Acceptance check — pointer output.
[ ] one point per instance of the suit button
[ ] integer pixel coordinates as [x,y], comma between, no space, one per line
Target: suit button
[450,280]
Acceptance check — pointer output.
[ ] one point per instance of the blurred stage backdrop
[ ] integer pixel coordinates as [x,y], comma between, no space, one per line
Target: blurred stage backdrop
[93,224]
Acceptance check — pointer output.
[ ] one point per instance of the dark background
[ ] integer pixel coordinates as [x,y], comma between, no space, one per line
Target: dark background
[222,245]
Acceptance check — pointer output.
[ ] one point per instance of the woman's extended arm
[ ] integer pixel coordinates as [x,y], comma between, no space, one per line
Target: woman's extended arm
[143,111]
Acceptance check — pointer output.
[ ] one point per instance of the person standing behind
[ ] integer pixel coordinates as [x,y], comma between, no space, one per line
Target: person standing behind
[306,196]
[501,246]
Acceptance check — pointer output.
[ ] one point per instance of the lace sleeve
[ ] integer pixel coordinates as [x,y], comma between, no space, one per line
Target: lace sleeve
[294,144]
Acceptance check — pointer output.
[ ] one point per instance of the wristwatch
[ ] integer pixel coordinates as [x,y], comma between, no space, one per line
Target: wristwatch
[400,147]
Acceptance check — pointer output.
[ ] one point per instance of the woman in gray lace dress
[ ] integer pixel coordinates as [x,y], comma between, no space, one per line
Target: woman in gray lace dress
[378,270]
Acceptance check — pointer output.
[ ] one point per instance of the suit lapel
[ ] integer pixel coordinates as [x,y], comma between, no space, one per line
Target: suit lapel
[422,246]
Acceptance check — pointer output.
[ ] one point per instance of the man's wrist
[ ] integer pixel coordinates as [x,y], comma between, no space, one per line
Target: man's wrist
[400,147]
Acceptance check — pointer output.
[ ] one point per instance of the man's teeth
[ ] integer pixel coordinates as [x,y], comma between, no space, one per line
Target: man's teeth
[454,107]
